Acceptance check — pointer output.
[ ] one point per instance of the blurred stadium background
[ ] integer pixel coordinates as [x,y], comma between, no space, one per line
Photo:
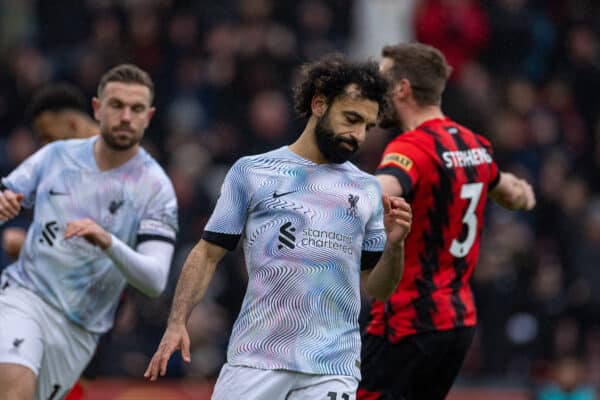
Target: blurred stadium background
[526,75]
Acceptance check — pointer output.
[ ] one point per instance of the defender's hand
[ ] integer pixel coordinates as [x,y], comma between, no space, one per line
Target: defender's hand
[90,231]
[529,195]
[175,338]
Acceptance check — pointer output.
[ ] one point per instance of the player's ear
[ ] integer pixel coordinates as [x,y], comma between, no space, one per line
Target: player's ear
[151,112]
[73,125]
[318,105]
[96,107]
[404,88]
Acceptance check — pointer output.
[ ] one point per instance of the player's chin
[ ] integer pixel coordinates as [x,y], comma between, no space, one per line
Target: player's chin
[121,143]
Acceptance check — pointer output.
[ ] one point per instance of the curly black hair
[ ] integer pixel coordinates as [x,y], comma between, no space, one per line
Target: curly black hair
[331,75]
[56,97]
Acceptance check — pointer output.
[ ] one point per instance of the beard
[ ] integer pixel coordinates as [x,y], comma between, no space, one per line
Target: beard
[390,119]
[113,141]
[330,145]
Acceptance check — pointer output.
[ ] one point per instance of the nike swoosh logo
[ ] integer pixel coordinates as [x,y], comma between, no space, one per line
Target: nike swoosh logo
[54,193]
[276,195]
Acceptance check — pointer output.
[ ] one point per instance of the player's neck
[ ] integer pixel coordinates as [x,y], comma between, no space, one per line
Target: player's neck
[91,129]
[306,145]
[415,117]
[108,158]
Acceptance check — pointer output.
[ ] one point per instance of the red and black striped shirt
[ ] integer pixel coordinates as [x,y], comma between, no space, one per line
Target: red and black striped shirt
[445,171]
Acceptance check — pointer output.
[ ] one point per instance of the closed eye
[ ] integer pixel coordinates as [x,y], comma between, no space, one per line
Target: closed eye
[353,118]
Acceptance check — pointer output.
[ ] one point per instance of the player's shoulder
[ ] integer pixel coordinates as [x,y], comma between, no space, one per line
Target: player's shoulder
[67,145]
[272,159]
[146,174]
[71,151]
[152,168]
[412,138]
[365,179]
[351,168]
[473,138]
[407,148]
[452,127]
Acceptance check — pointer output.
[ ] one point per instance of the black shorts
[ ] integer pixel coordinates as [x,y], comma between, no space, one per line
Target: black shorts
[419,367]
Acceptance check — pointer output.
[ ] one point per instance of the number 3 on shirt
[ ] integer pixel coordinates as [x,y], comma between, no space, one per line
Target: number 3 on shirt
[472,192]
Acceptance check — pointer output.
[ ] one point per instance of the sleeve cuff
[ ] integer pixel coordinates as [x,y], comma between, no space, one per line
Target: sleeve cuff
[368,259]
[224,240]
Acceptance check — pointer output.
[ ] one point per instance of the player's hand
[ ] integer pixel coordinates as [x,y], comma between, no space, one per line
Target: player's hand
[397,218]
[12,241]
[528,195]
[10,204]
[90,231]
[176,337]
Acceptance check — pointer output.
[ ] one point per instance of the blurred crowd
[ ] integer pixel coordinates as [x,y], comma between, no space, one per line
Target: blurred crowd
[526,75]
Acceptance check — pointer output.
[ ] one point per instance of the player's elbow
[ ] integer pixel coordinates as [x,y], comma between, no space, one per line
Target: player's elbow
[154,290]
[155,287]
[382,297]
[380,292]
[153,294]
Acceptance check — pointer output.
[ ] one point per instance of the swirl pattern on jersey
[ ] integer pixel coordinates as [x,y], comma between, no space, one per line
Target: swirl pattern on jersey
[304,227]
[65,184]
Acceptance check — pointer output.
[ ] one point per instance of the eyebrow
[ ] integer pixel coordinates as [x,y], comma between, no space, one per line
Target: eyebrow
[349,113]
[134,104]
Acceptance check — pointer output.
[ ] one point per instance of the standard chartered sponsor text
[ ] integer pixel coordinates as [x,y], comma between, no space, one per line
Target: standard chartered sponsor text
[327,239]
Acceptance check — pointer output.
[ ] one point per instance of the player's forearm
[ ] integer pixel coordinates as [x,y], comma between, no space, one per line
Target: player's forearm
[385,276]
[196,274]
[146,269]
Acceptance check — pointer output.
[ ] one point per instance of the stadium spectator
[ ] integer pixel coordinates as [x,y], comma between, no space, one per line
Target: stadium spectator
[459,28]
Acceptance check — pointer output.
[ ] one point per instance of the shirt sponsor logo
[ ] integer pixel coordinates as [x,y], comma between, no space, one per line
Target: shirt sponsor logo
[288,237]
[466,158]
[399,160]
[327,239]
[49,233]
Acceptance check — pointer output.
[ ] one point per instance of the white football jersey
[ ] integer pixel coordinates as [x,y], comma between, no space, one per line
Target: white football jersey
[134,202]
[306,229]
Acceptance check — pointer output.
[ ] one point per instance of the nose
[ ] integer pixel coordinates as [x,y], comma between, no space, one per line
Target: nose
[126,114]
[360,133]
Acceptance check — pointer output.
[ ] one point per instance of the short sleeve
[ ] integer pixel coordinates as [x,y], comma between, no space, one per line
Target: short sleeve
[226,224]
[25,178]
[375,236]
[401,160]
[159,221]
[494,176]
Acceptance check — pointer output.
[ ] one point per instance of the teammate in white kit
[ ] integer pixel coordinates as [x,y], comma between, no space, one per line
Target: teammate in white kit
[96,200]
[310,222]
